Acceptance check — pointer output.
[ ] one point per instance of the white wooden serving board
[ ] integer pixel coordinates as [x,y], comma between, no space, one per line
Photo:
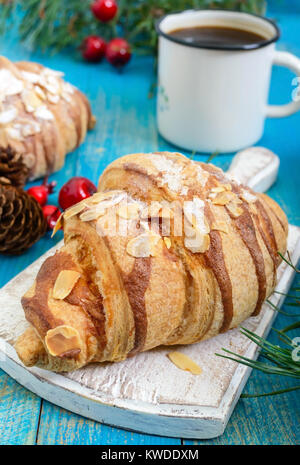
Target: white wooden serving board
[146,393]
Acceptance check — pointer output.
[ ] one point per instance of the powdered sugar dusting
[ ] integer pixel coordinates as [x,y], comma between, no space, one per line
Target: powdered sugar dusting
[171,171]
[9,84]
[202,175]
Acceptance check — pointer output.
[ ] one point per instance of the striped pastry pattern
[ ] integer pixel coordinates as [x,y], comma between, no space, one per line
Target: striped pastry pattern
[41,115]
[169,251]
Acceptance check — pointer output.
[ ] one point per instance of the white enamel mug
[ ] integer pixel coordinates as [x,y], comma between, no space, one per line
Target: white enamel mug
[215,99]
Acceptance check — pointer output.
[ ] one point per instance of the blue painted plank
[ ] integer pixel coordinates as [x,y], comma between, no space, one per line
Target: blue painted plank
[19,413]
[59,426]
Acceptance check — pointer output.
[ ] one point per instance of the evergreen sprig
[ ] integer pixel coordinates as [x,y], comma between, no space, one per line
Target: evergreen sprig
[57,24]
[279,359]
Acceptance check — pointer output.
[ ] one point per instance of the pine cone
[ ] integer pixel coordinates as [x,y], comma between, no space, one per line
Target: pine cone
[13,170]
[22,220]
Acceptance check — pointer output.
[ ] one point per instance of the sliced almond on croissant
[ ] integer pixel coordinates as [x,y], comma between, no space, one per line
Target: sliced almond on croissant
[198,244]
[248,196]
[92,213]
[234,209]
[99,196]
[143,245]
[31,100]
[58,225]
[64,283]
[184,362]
[168,242]
[63,341]
[218,189]
[74,210]
[220,226]
[223,198]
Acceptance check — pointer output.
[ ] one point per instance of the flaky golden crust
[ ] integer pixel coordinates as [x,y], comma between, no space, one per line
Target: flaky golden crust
[42,116]
[127,300]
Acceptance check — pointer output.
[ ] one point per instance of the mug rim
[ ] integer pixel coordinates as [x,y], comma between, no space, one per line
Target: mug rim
[253,46]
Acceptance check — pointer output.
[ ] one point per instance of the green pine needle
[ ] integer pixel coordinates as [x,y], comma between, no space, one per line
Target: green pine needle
[274,307]
[212,156]
[273,393]
[288,261]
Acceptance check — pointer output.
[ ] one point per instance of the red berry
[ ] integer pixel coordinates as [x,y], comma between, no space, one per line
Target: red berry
[93,48]
[51,213]
[40,193]
[75,190]
[118,52]
[104,10]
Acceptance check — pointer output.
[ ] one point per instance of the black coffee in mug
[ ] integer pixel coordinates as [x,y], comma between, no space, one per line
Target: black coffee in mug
[215,97]
[215,36]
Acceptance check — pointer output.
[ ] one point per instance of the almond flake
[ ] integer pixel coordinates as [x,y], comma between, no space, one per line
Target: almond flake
[217,189]
[52,72]
[14,133]
[220,226]
[30,77]
[74,210]
[92,214]
[195,220]
[223,198]
[184,362]
[51,88]
[106,200]
[58,225]
[234,209]
[248,196]
[143,245]
[7,116]
[114,200]
[53,98]
[63,340]
[198,244]
[31,100]
[129,212]
[9,84]
[40,93]
[167,241]
[98,196]
[43,113]
[145,225]
[64,283]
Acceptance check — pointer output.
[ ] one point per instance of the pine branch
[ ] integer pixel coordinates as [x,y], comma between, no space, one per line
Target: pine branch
[57,24]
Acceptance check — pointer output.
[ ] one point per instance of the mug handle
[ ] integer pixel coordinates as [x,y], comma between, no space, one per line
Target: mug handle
[293,63]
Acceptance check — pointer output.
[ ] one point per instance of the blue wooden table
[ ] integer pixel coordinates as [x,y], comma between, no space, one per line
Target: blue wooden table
[126,124]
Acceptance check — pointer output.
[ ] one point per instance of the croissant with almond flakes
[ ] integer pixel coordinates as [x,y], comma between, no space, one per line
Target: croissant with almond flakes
[41,116]
[169,251]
